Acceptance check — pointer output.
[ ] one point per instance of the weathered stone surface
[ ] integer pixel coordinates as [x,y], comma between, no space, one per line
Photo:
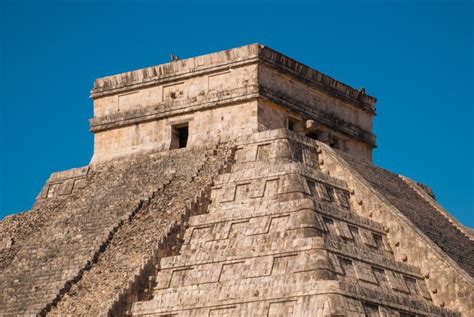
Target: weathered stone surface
[283,233]
[237,183]
[84,222]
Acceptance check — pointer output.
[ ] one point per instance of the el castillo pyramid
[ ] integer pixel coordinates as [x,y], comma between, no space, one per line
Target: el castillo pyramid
[237,183]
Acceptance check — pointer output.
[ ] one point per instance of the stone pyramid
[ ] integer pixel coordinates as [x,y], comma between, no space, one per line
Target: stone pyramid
[237,183]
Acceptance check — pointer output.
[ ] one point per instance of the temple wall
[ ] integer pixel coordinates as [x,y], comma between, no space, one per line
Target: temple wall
[448,284]
[176,91]
[214,125]
[135,111]
[272,116]
[299,91]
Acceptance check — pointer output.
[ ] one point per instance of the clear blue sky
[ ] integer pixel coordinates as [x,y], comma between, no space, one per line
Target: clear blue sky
[415,57]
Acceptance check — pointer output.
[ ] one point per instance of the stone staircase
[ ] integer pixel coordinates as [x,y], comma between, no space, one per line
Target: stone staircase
[86,211]
[122,272]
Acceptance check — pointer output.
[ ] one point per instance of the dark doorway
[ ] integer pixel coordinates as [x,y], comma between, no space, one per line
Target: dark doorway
[183,133]
[179,136]
[312,135]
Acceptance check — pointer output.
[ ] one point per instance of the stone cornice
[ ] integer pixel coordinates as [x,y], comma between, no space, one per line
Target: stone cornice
[171,108]
[325,118]
[156,75]
[317,79]
[254,53]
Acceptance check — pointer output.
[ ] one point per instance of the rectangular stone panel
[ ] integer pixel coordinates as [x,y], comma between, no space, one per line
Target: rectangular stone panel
[319,222]
[292,183]
[279,224]
[259,266]
[423,289]
[232,271]
[53,190]
[242,191]
[259,225]
[355,233]
[219,82]
[227,193]
[342,198]
[282,264]
[396,282]
[174,91]
[271,188]
[323,192]
[297,151]
[201,234]
[258,188]
[335,263]
[347,266]
[381,278]
[221,230]
[411,285]
[128,100]
[310,156]
[343,230]
[178,277]
[238,228]
[282,309]
[364,272]
[224,312]
[367,237]
[263,152]
[371,310]
[330,226]
[79,183]
[163,279]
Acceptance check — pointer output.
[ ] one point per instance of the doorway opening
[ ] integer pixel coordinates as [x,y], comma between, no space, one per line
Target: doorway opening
[180,134]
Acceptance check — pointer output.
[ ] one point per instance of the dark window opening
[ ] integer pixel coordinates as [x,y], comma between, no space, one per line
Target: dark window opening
[411,284]
[347,267]
[371,310]
[183,137]
[378,240]
[334,143]
[179,137]
[355,233]
[312,135]
[312,187]
[291,124]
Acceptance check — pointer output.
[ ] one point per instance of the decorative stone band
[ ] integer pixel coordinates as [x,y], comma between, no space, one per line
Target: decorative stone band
[63,183]
[171,108]
[317,79]
[321,116]
[325,288]
[174,71]
[200,65]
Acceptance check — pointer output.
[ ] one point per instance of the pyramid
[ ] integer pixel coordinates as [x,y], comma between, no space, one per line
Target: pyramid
[237,183]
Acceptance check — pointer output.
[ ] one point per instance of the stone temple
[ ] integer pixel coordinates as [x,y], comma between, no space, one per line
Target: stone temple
[237,183]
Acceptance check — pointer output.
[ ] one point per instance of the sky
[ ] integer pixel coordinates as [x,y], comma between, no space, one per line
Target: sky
[416,57]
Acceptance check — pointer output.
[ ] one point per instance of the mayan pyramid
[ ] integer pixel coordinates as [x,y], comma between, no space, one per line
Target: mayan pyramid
[237,183]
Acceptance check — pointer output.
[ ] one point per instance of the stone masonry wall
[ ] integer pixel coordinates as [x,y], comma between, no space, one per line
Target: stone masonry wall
[212,126]
[280,239]
[120,273]
[89,210]
[449,285]
[217,93]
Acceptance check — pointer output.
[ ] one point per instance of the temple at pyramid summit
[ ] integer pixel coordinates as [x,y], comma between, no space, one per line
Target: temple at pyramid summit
[237,183]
